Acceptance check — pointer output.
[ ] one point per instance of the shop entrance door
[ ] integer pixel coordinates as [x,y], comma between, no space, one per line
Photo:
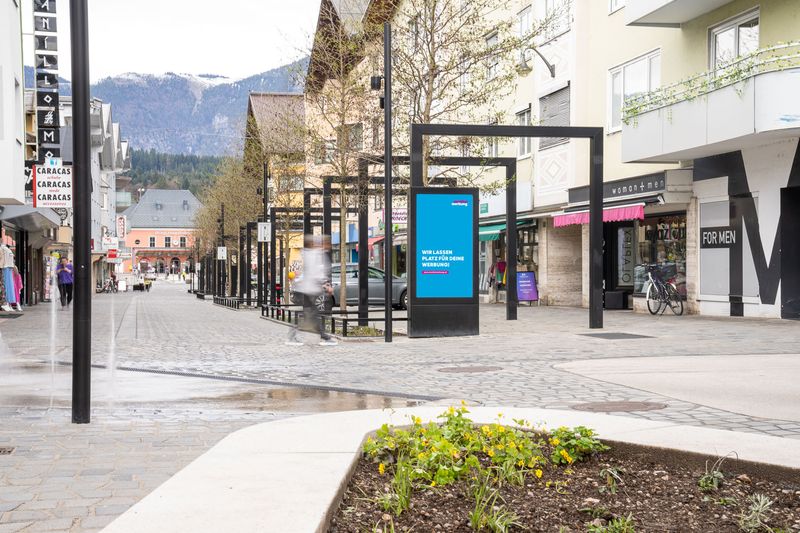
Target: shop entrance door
[790,253]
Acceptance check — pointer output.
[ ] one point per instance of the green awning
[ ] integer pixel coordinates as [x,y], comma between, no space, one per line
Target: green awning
[491,232]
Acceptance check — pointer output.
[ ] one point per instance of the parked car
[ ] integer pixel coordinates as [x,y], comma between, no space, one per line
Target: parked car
[376,291]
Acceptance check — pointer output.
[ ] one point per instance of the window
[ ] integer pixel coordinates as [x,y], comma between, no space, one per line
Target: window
[632,79]
[323,152]
[734,38]
[615,5]
[167,242]
[492,60]
[350,137]
[554,110]
[557,18]
[152,242]
[183,242]
[524,25]
[493,145]
[524,143]
[375,274]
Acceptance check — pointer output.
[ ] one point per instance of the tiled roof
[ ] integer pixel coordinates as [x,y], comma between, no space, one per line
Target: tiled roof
[163,208]
[280,118]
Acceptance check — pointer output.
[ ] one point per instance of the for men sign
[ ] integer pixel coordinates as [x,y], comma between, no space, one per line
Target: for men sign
[52,185]
[718,237]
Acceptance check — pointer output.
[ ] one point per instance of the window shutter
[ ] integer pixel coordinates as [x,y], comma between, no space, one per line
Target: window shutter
[554,110]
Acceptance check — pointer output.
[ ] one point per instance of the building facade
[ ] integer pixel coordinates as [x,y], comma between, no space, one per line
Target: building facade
[728,112]
[161,232]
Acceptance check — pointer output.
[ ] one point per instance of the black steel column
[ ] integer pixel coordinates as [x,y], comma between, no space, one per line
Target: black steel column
[511,242]
[387,172]
[272,246]
[259,273]
[282,266]
[596,232]
[249,261]
[307,212]
[363,242]
[82,217]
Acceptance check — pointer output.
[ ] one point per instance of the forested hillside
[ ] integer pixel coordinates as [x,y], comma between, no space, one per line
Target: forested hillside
[151,169]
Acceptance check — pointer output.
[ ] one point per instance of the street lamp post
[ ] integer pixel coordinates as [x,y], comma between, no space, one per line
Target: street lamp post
[82,205]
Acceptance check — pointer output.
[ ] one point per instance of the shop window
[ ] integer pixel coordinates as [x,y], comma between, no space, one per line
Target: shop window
[734,38]
[526,247]
[661,242]
[554,110]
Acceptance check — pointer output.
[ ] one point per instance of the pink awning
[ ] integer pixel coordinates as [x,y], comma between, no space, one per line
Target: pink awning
[610,214]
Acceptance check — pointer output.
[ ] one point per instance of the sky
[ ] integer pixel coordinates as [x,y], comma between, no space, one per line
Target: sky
[234,38]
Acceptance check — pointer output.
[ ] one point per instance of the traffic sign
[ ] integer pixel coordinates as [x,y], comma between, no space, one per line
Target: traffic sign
[264,231]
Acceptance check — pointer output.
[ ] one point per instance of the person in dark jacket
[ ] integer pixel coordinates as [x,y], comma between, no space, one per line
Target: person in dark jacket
[64,273]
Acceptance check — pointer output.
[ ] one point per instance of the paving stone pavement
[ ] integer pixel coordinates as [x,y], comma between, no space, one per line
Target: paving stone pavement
[65,477]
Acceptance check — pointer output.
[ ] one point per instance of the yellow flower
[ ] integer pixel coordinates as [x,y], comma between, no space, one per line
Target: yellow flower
[512,445]
[433,483]
[566,456]
[463,403]
[520,463]
[421,456]
[538,473]
[554,441]
[381,468]
[455,454]
[499,415]
[490,453]
[416,419]
[501,429]
[500,446]
[451,410]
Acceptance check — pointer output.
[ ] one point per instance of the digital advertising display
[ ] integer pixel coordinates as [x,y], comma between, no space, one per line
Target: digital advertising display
[445,233]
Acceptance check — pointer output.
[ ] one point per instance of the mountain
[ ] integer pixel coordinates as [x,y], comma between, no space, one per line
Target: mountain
[184,113]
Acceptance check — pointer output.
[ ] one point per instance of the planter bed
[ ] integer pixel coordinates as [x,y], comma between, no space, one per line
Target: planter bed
[623,489]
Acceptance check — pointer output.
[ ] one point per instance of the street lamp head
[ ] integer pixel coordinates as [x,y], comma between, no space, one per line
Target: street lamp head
[524,68]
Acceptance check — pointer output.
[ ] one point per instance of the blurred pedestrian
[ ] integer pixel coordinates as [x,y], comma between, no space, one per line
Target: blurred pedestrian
[64,273]
[314,282]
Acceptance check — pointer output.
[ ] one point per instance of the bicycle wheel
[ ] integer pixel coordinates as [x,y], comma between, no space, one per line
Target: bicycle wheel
[653,299]
[674,299]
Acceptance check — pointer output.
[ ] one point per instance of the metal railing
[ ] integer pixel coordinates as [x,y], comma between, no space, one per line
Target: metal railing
[336,321]
[770,59]
[228,301]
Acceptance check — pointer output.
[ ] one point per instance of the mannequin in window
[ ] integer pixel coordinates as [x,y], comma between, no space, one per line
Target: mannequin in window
[8,291]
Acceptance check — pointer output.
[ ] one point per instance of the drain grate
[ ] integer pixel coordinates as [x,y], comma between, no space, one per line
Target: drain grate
[5,450]
[470,369]
[610,407]
[617,336]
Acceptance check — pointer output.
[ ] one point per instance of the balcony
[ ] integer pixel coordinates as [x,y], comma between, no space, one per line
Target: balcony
[668,13]
[748,102]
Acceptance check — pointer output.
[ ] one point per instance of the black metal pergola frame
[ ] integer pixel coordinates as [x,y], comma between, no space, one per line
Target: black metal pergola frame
[595,137]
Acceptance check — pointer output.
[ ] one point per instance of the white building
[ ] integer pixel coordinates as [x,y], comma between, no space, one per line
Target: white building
[12,112]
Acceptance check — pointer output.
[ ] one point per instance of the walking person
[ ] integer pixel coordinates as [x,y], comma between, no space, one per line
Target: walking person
[310,286]
[64,272]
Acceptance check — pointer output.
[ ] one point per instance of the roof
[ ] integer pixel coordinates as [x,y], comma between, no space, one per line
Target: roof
[280,118]
[164,208]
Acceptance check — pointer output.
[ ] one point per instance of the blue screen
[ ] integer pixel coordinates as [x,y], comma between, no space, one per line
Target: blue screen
[444,244]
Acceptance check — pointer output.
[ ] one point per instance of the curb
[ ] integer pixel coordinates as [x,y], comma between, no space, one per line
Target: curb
[289,475]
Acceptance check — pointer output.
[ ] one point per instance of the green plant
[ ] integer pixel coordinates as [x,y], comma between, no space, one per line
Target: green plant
[597,512]
[754,517]
[612,477]
[621,524]
[712,479]
[486,513]
[575,444]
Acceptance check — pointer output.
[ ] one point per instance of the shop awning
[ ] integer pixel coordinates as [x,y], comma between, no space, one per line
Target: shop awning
[610,214]
[372,241]
[29,218]
[491,232]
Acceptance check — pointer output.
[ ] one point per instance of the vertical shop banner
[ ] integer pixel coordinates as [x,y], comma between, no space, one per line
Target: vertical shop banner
[526,287]
[445,235]
[122,226]
[625,259]
[45,26]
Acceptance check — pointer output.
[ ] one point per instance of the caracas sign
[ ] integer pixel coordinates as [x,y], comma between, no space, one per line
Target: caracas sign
[52,184]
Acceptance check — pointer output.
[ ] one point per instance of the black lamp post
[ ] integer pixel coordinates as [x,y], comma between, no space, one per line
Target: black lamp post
[386,105]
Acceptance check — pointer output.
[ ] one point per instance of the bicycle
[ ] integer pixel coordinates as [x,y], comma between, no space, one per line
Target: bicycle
[661,294]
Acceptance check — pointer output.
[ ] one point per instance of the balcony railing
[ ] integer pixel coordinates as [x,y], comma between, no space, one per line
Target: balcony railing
[771,59]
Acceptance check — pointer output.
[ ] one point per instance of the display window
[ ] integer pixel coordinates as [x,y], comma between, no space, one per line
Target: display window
[661,241]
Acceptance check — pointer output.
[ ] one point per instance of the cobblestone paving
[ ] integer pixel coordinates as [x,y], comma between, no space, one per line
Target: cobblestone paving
[65,477]
[169,330]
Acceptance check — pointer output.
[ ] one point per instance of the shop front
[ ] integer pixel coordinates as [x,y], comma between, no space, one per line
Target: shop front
[644,226]
[493,256]
[25,233]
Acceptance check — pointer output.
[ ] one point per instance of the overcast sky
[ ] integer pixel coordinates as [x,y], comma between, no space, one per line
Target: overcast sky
[234,38]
